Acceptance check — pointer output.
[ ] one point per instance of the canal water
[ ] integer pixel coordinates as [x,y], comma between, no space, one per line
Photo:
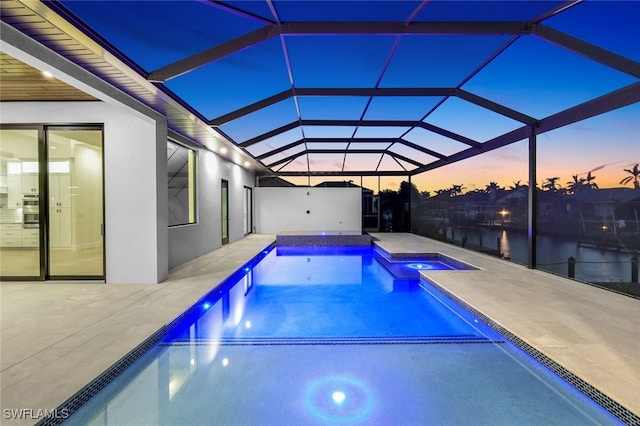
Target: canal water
[592,264]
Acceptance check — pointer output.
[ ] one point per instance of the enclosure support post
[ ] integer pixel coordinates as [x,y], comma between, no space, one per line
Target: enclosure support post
[571,267]
[409,206]
[533,204]
[378,205]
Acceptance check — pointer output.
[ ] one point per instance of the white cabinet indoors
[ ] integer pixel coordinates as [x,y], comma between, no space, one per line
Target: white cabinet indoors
[60,210]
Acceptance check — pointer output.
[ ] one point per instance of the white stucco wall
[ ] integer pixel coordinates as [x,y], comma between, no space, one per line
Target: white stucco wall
[140,247]
[134,182]
[187,242]
[329,209]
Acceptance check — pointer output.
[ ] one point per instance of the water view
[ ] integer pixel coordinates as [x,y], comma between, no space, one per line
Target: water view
[592,264]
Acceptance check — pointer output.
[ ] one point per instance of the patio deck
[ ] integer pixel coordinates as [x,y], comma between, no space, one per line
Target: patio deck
[57,337]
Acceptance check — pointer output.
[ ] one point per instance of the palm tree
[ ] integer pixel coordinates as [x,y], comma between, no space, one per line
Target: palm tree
[635,177]
[492,189]
[443,193]
[456,190]
[576,185]
[588,181]
[550,184]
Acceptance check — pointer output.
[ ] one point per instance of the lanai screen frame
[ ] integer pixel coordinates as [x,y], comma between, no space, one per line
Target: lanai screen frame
[274,27]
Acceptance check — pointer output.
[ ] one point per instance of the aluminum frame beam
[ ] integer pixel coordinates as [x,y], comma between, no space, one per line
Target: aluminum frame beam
[611,101]
[371,123]
[402,28]
[394,123]
[617,99]
[371,92]
[346,152]
[281,149]
[321,28]
[270,134]
[495,107]
[256,106]
[588,50]
[343,173]
[390,141]
[364,151]
[421,148]
[213,54]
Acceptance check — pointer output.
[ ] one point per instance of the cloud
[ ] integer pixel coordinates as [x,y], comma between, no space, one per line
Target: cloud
[602,166]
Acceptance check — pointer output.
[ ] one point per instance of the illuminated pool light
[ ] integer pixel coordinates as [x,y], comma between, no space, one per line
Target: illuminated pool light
[338,397]
[327,400]
[420,266]
[206,305]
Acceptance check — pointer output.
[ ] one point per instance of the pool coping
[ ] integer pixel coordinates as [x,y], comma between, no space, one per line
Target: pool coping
[609,404]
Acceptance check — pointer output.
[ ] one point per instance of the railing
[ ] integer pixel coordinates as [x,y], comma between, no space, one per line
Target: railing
[571,270]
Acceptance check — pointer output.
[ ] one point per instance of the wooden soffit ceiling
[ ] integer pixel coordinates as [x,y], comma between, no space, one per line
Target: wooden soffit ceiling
[21,82]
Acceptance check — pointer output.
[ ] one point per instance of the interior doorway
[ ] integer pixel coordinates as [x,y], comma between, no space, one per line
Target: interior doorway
[224,204]
[248,210]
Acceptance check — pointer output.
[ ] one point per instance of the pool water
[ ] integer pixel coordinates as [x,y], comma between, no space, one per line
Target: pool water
[313,336]
[408,266]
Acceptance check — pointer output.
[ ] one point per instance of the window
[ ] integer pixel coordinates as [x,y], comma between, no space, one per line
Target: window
[181,168]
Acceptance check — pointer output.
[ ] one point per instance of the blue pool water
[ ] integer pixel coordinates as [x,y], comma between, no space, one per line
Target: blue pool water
[314,336]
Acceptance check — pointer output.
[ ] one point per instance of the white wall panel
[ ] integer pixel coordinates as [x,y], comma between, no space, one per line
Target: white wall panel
[307,209]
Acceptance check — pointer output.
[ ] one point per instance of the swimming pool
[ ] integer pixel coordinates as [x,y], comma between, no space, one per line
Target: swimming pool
[321,336]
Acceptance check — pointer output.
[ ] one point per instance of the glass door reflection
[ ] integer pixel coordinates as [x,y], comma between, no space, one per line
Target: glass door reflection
[20,254]
[76,243]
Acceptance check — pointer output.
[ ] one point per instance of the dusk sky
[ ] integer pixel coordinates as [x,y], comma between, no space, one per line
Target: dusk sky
[532,76]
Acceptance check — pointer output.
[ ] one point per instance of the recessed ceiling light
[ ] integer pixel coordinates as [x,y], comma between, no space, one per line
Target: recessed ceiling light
[247,164]
[223,150]
[47,74]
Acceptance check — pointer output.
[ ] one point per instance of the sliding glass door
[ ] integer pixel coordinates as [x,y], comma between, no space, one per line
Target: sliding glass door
[20,239]
[51,202]
[75,203]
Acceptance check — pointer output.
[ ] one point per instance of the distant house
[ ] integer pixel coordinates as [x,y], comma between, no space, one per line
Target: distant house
[603,202]
[273,181]
[512,207]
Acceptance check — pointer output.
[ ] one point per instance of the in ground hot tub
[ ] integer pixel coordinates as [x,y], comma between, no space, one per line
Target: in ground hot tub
[408,266]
